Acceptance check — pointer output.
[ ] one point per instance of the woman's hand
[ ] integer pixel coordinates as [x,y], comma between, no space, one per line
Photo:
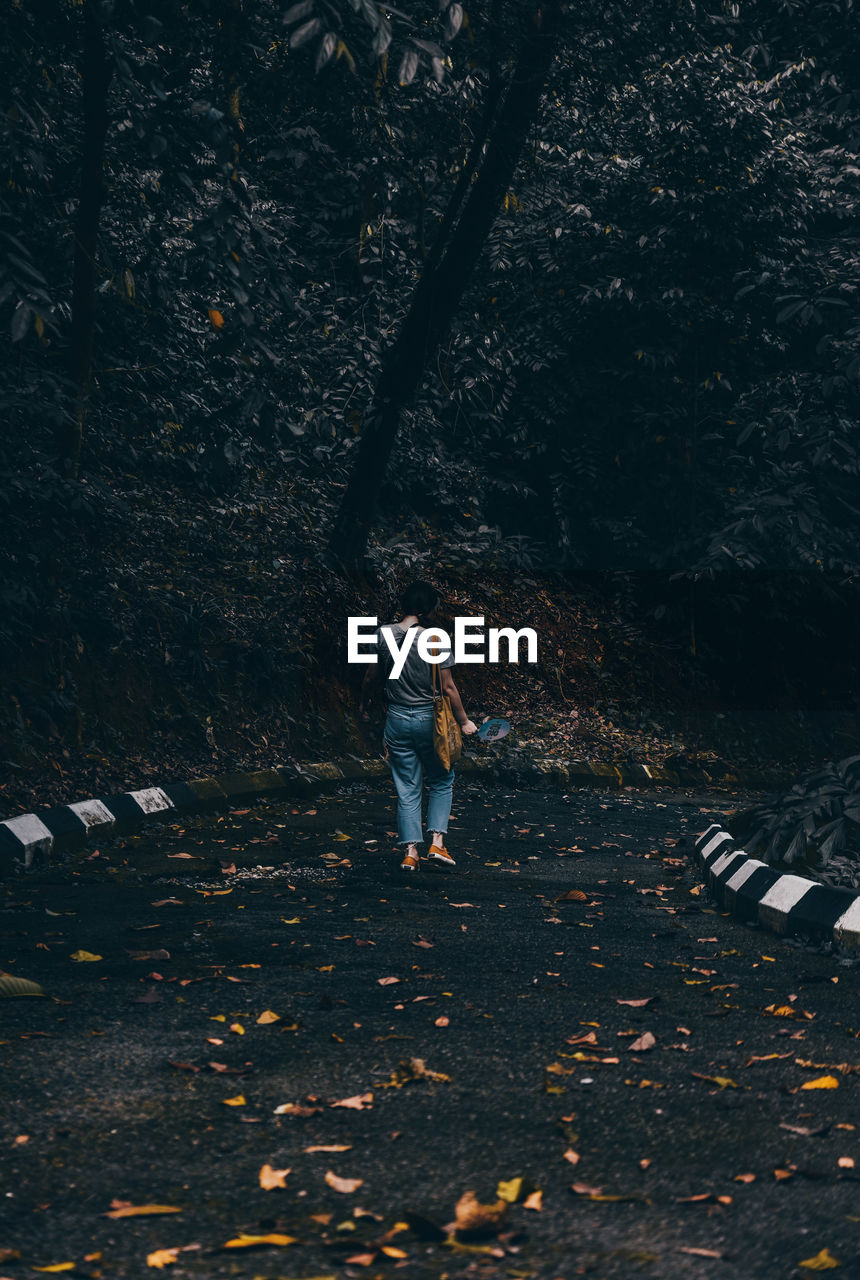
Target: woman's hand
[469,728]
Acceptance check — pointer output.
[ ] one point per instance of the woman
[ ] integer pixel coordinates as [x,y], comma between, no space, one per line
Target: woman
[409,730]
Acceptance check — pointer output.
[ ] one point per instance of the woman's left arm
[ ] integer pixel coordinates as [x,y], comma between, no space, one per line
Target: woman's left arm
[450,689]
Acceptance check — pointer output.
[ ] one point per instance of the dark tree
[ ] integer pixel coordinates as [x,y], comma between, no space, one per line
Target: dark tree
[443,284]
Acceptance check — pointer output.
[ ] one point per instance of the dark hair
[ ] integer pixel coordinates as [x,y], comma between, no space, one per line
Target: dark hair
[421,599]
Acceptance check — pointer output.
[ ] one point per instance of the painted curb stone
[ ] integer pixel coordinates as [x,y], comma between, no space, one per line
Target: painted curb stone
[780,901]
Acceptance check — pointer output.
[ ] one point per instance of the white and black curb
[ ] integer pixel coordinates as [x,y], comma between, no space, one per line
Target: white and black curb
[30,838]
[784,903]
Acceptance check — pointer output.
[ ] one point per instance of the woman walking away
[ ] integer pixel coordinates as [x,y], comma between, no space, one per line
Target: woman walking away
[409,729]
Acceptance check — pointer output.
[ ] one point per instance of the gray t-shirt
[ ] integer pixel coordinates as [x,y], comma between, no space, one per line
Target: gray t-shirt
[414,686]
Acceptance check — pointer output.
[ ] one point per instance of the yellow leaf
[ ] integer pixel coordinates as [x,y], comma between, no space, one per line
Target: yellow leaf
[216,319]
[271,1178]
[267,1017]
[534,1201]
[241,1241]
[823,1261]
[119,1210]
[821,1082]
[391,1252]
[510,1190]
[162,1258]
[40,325]
[295,920]
[238,1101]
[57,1266]
[237,1028]
[84,955]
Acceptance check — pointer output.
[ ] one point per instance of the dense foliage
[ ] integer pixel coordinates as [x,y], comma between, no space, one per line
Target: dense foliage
[652,366]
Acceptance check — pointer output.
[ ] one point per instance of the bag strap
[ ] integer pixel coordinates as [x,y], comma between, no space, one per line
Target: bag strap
[433,680]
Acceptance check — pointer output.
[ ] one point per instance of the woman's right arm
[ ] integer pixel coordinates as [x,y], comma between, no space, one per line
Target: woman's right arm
[450,689]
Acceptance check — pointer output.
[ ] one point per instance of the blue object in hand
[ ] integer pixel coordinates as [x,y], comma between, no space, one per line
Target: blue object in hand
[492,730]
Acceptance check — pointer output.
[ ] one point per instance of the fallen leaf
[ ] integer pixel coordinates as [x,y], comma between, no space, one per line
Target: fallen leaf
[413,1069]
[271,1178]
[387,982]
[645,1041]
[295,1109]
[215,318]
[243,1241]
[534,1201]
[473,1217]
[162,1257]
[57,1266]
[745,1177]
[238,1101]
[510,1190]
[237,1028]
[722,1082]
[442,1021]
[82,956]
[572,895]
[821,1082]
[845,1162]
[332,1146]
[266,1017]
[345,1186]
[358,1102]
[636,1004]
[823,1261]
[699,1253]
[121,1209]
[361,1259]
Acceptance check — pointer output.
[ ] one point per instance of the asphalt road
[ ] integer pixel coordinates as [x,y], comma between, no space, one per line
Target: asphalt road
[150,1080]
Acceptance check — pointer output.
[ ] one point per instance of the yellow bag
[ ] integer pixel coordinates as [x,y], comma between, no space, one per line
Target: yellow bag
[447,739]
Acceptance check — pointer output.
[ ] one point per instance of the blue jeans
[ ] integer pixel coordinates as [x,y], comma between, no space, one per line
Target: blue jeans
[409,738]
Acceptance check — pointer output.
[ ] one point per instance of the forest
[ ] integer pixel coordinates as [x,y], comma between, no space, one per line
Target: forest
[552,303]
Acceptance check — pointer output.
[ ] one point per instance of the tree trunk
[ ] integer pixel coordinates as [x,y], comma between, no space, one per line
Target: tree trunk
[438,293]
[96,71]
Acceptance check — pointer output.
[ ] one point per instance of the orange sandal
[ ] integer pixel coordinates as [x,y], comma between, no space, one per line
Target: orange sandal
[410,862]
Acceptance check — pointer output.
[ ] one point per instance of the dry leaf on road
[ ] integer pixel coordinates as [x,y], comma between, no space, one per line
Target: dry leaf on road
[271,1178]
[645,1041]
[472,1216]
[358,1102]
[345,1186]
[162,1257]
[122,1209]
[243,1241]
